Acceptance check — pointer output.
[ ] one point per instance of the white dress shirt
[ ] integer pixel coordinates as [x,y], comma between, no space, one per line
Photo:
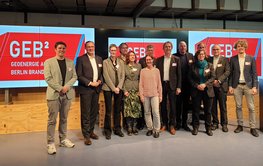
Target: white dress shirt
[94,67]
[166,67]
[215,61]
[241,61]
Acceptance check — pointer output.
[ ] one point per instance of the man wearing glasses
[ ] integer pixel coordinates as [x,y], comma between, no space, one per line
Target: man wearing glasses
[220,84]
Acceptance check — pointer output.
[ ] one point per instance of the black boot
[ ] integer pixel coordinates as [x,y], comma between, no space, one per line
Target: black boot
[134,127]
[129,128]
[209,131]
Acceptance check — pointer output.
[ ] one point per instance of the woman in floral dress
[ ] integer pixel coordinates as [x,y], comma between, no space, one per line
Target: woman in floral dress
[132,105]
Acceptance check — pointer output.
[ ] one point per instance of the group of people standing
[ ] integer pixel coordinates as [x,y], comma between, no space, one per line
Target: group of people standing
[170,82]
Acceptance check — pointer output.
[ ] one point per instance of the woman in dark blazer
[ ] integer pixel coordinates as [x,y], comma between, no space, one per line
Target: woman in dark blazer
[201,77]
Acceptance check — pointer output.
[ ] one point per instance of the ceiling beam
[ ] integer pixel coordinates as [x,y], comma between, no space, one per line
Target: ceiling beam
[50,4]
[81,5]
[111,6]
[250,15]
[218,5]
[193,4]
[194,7]
[167,7]
[169,4]
[18,5]
[142,5]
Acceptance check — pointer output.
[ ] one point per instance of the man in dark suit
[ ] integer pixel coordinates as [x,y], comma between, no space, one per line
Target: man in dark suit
[220,84]
[202,46]
[124,49]
[149,51]
[170,71]
[89,71]
[243,80]
[183,99]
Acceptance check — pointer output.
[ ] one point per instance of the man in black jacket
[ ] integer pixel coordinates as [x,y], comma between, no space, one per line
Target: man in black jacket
[183,99]
[89,71]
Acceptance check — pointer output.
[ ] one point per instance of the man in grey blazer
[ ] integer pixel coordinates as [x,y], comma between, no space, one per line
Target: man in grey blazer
[243,80]
[89,71]
[220,84]
[60,75]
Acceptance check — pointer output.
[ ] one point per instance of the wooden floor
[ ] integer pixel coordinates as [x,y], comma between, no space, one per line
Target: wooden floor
[28,113]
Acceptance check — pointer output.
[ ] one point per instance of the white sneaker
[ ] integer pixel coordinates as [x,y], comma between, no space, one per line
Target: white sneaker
[51,149]
[67,143]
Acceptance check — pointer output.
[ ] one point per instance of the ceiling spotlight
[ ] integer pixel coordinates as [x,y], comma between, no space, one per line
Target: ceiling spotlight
[7,3]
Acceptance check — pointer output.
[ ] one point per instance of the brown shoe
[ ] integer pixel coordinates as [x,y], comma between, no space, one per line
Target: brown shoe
[87,141]
[254,132]
[163,128]
[94,136]
[172,130]
[238,129]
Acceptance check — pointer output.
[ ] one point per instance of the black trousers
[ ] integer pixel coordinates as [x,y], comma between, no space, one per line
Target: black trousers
[182,106]
[89,110]
[220,97]
[141,121]
[124,123]
[171,94]
[207,101]
[116,110]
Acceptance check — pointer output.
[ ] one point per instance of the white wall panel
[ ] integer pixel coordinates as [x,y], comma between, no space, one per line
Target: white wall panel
[254,5]
[108,21]
[121,22]
[167,23]
[203,24]
[244,25]
[182,4]
[207,4]
[231,5]
[54,19]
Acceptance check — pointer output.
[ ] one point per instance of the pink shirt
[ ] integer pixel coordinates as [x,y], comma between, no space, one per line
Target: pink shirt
[150,83]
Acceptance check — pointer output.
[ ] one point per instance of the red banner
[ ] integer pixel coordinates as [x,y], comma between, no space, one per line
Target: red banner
[227,47]
[22,55]
[140,49]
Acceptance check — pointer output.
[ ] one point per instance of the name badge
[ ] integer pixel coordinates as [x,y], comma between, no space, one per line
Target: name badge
[190,61]
[219,65]
[207,70]
[134,69]
[100,65]
[69,69]
[247,63]
[174,64]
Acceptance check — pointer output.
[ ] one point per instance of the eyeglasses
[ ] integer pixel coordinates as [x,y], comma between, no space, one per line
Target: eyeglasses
[215,49]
